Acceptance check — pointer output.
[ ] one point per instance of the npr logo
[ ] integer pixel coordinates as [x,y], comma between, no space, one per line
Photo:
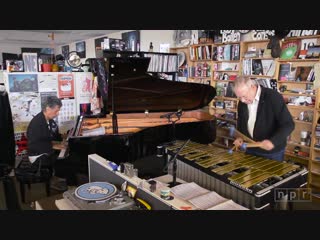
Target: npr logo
[292,194]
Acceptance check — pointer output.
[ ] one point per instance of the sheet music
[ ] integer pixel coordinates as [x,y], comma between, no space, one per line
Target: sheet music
[208,200]
[228,205]
[187,191]
[94,132]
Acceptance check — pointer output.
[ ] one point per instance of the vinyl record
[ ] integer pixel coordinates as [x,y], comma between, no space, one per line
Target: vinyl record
[181,58]
[95,191]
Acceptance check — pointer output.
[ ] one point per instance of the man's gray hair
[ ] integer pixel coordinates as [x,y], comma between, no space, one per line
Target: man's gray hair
[51,102]
[243,80]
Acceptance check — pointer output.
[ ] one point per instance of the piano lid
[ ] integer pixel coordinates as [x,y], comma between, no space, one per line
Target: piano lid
[135,90]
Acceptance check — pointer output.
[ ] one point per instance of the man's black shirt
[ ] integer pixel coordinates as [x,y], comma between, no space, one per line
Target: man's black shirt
[40,135]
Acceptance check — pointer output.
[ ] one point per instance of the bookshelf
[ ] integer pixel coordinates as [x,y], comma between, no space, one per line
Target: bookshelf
[295,80]
[255,61]
[200,65]
[182,65]
[226,67]
[314,161]
[165,64]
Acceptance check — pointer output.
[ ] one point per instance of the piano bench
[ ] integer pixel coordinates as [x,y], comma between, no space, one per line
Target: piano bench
[30,175]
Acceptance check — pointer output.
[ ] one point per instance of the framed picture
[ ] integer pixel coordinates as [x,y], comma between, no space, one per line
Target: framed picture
[219,104]
[14,65]
[132,40]
[229,104]
[313,52]
[10,57]
[30,61]
[65,51]
[81,49]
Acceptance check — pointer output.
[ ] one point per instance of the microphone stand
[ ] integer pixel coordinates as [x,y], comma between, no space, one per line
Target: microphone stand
[169,116]
[114,115]
[174,165]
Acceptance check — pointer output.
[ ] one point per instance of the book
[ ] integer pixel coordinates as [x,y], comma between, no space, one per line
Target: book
[284,71]
[292,74]
[204,199]
[290,49]
[269,67]
[228,205]
[302,73]
[227,52]
[313,52]
[305,44]
[257,68]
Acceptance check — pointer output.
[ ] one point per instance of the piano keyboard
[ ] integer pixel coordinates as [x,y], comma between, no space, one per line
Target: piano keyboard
[62,153]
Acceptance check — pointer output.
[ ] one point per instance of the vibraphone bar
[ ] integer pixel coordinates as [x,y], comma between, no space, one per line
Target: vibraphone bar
[248,180]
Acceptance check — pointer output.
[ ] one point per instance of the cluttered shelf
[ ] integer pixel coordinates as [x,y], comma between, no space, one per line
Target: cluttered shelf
[299,60]
[297,156]
[301,107]
[294,82]
[298,144]
[302,122]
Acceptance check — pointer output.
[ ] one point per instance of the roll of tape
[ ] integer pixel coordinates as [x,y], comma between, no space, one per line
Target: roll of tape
[165,193]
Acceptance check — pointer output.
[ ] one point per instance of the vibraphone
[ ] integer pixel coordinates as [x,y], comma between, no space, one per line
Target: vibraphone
[248,180]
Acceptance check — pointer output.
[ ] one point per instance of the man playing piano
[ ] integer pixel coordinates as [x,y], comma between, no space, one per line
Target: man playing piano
[44,139]
[264,117]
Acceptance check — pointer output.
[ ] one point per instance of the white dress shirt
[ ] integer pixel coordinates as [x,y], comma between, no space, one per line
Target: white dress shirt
[252,110]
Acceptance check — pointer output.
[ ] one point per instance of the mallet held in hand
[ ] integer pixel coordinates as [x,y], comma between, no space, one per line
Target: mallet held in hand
[244,146]
[233,132]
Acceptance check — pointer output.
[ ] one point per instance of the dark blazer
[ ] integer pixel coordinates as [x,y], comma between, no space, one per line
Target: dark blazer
[40,137]
[274,121]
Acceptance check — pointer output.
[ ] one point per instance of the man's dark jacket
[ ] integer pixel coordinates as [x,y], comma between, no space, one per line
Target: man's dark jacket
[40,137]
[274,121]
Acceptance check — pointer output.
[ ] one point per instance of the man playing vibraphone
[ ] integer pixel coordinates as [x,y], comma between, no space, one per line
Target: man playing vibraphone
[263,117]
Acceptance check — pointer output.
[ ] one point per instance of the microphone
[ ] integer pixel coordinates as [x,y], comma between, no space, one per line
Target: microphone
[167,115]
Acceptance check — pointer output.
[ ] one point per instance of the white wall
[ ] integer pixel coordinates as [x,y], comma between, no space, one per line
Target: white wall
[146,36]
[16,48]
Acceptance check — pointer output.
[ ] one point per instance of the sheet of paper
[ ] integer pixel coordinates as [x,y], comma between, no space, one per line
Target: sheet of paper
[207,200]
[94,132]
[187,191]
[228,205]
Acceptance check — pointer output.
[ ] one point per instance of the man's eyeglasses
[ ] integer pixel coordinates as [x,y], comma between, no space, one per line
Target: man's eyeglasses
[245,96]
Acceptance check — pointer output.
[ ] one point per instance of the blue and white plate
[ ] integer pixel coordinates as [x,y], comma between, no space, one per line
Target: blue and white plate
[95,191]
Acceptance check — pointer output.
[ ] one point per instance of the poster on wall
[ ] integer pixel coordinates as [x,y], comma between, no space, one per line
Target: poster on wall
[44,96]
[30,61]
[84,109]
[67,115]
[48,82]
[23,83]
[24,106]
[132,40]
[65,86]
[65,51]
[81,49]
[83,90]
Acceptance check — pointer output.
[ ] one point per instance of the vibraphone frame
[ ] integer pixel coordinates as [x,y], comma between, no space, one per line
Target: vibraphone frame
[189,170]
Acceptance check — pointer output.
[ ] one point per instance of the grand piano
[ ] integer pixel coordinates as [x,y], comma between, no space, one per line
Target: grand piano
[141,111]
